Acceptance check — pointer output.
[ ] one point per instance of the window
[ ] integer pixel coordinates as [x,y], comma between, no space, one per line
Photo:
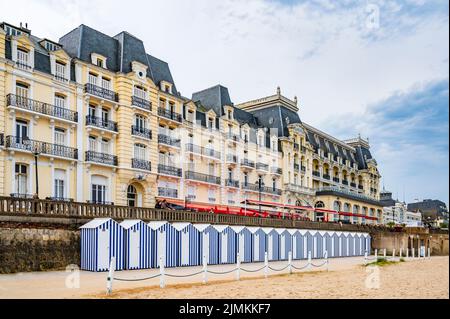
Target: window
[140,92]
[230,174]
[104,146]
[60,100]
[245,179]
[191,192]
[274,184]
[190,116]
[229,115]
[131,196]
[22,57]
[92,78]
[91,110]
[230,196]
[100,63]
[211,169]
[98,189]
[92,143]
[274,145]
[106,84]
[21,91]
[60,176]
[260,141]
[105,115]
[21,130]
[140,121]
[12,31]
[60,70]
[167,88]
[211,195]
[210,123]
[60,136]
[139,151]
[295,179]
[21,179]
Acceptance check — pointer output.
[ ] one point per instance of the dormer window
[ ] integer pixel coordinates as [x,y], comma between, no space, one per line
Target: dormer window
[100,63]
[230,115]
[210,123]
[60,71]
[167,88]
[23,58]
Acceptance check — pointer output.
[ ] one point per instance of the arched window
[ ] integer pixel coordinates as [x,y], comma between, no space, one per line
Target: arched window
[131,196]
[319,204]
[337,206]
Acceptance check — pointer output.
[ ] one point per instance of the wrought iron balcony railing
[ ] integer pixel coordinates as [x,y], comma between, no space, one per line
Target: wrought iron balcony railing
[39,147]
[23,65]
[211,153]
[247,163]
[336,179]
[276,170]
[326,176]
[345,182]
[99,202]
[21,195]
[316,173]
[251,187]
[271,190]
[202,177]
[60,199]
[101,123]
[303,168]
[141,132]
[101,92]
[262,166]
[296,167]
[299,189]
[141,164]
[167,192]
[202,150]
[142,103]
[360,186]
[231,183]
[166,139]
[231,158]
[169,170]
[102,158]
[353,184]
[170,115]
[232,136]
[41,107]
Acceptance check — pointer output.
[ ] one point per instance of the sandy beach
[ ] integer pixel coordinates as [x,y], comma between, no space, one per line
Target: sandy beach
[346,278]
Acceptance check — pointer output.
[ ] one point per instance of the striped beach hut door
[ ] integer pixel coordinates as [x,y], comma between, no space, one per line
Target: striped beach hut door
[293,242]
[222,244]
[270,248]
[347,244]
[103,248]
[239,230]
[314,243]
[256,242]
[206,249]
[134,249]
[157,242]
[331,253]
[305,243]
[340,245]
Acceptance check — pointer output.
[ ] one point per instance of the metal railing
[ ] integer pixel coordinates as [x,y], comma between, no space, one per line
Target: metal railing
[101,123]
[316,173]
[102,158]
[169,170]
[141,132]
[232,183]
[2,139]
[302,168]
[170,115]
[142,103]
[299,189]
[167,192]
[296,167]
[247,163]
[168,140]
[262,166]
[336,179]
[202,150]
[353,185]
[39,147]
[276,170]
[101,92]
[326,176]
[141,164]
[345,182]
[41,107]
[202,177]
[231,158]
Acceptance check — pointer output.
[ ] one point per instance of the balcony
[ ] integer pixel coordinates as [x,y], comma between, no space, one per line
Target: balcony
[141,164]
[231,158]
[101,123]
[296,167]
[251,187]
[326,176]
[141,132]
[271,190]
[303,149]
[303,168]
[211,153]
[170,115]
[316,173]
[232,183]
[102,158]
[299,189]
[262,167]
[142,103]
[60,199]
[169,170]
[331,190]
[336,179]
[264,189]
[232,137]
[39,147]
[41,108]
[296,146]
[167,140]
[202,177]
[101,92]
[360,187]
[276,170]
[202,151]
[24,65]
[247,163]
[345,182]
[353,185]
[167,192]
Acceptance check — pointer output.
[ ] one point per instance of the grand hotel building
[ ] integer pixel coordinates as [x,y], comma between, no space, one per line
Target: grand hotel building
[101,121]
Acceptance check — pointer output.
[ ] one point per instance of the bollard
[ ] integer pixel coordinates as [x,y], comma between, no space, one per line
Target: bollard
[429,253]
[326,259]
[384,254]
[205,271]
[412,252]
[418,252]
[110,278]
[162,283]
[401,251]
[238,267]
[365,257]
[309,260]
[407,252]
[266,265]
[290,262]
[393,253]
[376,254]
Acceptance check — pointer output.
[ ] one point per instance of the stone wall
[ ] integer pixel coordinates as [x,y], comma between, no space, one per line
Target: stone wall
[36,248]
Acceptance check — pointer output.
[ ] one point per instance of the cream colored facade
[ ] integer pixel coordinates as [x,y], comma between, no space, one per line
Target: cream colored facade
[108,136]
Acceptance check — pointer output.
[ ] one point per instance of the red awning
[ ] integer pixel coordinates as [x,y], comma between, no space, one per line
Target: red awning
[275,204]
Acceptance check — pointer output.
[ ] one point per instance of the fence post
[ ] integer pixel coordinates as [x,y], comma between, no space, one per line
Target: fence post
[326,258]
[418,252]
[205,270]
[365,257]
[376,254]
[384,253]
[393,253]
[238,267]
[110,278]
[407,252]
[401,251]
[429,253]
[309,260]
[413,252]
[162,284]
[266,265]
[290,262]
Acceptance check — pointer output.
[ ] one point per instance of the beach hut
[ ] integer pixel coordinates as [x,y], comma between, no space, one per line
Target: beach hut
[258,243]
[351,244]
[136,244]
[357,243]
[345,251]
[227,244]
[244,243]
[366,242]
[208,244]
[299,244]
[328,239]
[187,245]
[273,243]
[101,239]
[308,242]
[157,245]
[285,243]
[336,238]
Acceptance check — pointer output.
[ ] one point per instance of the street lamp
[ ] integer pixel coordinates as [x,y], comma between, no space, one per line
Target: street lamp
[260,186]
[35,150]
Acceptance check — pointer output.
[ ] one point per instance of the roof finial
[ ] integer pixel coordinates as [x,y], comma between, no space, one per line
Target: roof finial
[295,100]
[278,91]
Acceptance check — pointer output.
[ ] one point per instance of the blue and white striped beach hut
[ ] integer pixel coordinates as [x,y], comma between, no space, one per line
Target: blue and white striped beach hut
[367,247]
[273,243]
[208,244]
[351,244]
[101,239]
[244,243]
[357,243]
[309,243]
[328,238]
[188,241]
[258,242]
[335,243]
[227,244]
[299,243]
[285,243]
[295,243]
[158,238]
[345,244]
[136,244]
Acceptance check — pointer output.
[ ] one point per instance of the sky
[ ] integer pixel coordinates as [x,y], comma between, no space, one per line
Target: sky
[377,68]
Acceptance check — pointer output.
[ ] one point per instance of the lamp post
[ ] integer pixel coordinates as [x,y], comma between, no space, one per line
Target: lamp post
[35,150]
[260,186]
